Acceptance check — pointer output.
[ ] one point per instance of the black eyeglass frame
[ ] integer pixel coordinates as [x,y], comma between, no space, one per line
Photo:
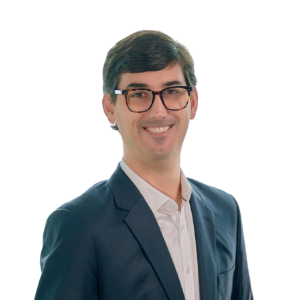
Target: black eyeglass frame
[125,92]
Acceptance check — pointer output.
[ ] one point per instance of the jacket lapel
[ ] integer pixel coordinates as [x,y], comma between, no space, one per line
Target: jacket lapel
[143,225]
[205,234]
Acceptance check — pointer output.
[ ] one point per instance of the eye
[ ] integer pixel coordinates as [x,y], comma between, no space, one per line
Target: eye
[138,94]
[171,91]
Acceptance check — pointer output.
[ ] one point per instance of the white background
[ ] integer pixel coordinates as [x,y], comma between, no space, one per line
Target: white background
[56,141]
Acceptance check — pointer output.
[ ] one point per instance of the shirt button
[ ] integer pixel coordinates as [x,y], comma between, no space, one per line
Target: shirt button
[181,226]
[188,270]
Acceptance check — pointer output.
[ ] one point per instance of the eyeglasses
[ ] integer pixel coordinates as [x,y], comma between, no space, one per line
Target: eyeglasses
[140,100]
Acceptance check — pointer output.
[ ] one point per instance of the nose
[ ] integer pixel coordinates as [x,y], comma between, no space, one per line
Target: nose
[158,110]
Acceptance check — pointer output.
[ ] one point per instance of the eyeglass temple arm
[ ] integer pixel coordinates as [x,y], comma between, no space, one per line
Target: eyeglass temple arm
[119,92]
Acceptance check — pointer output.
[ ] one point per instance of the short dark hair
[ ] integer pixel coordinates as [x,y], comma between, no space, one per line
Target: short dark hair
[143,51]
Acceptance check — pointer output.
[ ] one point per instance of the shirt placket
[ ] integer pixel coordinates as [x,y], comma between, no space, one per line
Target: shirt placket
[189,288]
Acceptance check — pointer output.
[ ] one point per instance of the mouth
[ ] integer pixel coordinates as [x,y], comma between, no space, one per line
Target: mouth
[157,130]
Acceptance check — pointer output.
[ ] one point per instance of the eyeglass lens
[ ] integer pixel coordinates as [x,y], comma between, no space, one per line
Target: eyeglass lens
[174,98]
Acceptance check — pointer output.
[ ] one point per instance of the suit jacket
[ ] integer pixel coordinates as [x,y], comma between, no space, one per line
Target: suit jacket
[106,244]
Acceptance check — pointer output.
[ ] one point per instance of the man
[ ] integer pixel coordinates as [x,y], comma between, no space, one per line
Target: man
[148,232]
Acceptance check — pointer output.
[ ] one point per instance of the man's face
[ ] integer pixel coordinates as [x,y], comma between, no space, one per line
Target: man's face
[138,129]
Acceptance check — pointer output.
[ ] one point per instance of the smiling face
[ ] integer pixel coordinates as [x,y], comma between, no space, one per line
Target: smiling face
[158,133]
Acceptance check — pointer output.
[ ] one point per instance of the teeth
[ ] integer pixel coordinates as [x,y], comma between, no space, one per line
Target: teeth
[158,129]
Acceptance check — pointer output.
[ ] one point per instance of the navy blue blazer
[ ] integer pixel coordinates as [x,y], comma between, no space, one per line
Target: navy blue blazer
[107,245]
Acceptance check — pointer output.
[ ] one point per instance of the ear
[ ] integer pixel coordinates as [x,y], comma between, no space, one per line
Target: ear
[108,108]
[194,103]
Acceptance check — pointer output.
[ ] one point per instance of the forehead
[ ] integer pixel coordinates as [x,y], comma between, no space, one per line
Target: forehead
[171,75]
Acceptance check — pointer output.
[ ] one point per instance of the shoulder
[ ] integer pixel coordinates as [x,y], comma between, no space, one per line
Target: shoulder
[221,203]
[96,196]
[222,207]
[87,209]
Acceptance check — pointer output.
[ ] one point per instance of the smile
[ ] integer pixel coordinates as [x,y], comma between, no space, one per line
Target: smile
[158,129]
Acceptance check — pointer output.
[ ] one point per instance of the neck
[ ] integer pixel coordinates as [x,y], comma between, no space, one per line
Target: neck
[163,175]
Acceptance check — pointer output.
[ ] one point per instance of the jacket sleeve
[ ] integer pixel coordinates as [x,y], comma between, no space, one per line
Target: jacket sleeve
[241,289]
[68,260]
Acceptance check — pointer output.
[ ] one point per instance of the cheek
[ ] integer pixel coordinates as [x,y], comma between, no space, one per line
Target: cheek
[129,128]
[185,123]
[185,117]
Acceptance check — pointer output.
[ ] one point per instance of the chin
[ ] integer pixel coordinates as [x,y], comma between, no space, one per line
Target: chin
[161,154]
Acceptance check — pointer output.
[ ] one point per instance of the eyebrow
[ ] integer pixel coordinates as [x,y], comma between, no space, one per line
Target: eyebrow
[144,85]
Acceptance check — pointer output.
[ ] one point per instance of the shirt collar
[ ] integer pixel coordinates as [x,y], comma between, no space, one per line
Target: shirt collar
[153,197]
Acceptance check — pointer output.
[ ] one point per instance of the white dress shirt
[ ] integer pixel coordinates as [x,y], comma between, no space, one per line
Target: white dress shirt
[177,229]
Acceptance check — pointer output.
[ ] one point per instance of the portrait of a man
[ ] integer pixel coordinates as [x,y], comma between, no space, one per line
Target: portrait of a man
[148,232]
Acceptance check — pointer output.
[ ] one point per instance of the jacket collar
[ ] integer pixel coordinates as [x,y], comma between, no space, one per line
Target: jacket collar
[143,225]
[125,192]
[205,234]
